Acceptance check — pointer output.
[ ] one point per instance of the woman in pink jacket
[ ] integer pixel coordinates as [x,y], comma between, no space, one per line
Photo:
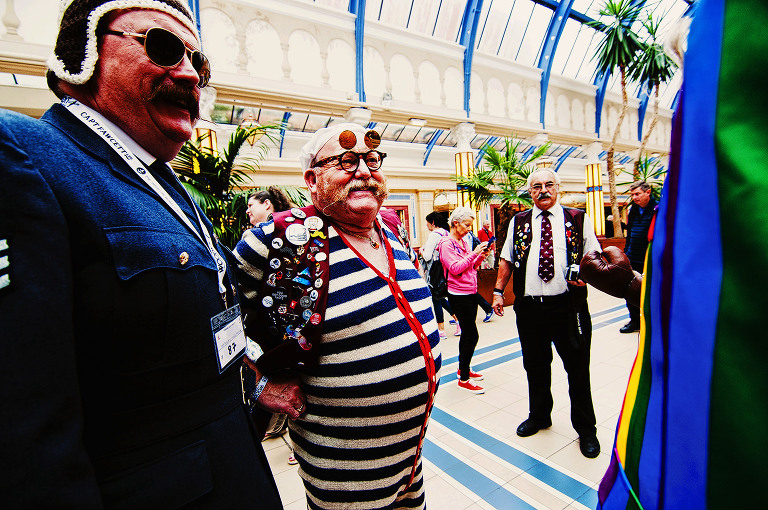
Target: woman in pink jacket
[461,263]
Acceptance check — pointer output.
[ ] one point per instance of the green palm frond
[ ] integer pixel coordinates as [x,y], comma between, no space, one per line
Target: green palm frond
[214,180]
[653,66]
[620,44]
[504,175]
[649,170]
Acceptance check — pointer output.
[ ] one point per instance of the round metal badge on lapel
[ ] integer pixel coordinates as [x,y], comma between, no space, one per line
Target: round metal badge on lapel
[298,213]
[313,223]
[297,234]
[183,258]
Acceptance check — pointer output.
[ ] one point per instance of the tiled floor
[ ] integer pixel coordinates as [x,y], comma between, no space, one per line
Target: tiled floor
[474,460]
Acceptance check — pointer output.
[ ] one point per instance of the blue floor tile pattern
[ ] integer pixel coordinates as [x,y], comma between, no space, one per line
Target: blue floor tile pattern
[478,483]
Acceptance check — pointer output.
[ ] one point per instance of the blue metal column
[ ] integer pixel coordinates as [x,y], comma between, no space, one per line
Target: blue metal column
[467,33]
[194,6]
[644,98]
[555,30]
[357,7]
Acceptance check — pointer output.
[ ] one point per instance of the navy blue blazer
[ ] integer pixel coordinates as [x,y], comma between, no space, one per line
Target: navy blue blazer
[111,392]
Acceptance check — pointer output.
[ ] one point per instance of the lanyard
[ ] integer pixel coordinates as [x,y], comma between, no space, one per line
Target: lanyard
[84,115]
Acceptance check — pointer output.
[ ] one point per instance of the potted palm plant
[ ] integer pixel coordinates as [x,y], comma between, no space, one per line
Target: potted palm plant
[617,50]
[214,179]
[653,67]
[650,170]
[502,178]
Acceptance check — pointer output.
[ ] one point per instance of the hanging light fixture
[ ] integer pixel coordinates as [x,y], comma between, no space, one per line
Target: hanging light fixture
[595,208]
[544,162]
[464,169]
[205,134]
[249,122]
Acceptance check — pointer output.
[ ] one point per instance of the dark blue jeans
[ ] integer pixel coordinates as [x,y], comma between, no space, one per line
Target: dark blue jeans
[438,305]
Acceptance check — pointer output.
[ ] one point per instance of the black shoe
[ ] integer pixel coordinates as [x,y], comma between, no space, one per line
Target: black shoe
[589,446]
[529,427]
[629,327]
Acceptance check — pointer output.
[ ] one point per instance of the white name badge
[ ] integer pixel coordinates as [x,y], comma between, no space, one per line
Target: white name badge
[228,336]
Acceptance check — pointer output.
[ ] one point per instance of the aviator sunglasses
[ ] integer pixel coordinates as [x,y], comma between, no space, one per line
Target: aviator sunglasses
[166,49]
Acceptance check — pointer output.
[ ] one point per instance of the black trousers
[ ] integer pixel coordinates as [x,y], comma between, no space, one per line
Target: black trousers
[634,312]
[465,309]
[539,325]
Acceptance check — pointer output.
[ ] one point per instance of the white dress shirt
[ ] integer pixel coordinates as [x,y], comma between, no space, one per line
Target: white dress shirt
[534,285]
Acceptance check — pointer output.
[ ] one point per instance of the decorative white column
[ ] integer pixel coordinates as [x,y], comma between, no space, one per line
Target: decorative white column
[11,22]
[465,158]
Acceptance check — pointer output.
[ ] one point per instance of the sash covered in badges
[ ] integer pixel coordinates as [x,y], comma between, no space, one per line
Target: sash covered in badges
[294,290]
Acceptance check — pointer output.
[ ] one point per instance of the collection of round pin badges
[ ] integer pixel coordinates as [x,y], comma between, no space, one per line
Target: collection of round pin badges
[292,303]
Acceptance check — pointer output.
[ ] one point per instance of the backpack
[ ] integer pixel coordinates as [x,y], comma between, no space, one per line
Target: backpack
[436,280]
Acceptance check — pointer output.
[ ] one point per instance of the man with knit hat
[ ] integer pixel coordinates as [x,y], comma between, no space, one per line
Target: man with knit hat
[336,305]
[119,324]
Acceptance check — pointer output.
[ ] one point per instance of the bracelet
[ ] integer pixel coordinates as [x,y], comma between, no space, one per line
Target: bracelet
[259,388]
[498,292]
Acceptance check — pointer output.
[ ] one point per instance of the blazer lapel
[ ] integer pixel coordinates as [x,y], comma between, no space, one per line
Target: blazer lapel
[59,117]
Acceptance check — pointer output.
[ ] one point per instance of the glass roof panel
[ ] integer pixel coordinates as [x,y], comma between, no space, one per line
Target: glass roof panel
[449,20]
[407,134]
[518,22]
[393,12]
[533,40]
[423,16]
[577,44]
[494,22]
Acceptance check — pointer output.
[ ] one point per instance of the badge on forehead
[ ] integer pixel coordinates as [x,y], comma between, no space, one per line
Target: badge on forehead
[347,139]
[372,139]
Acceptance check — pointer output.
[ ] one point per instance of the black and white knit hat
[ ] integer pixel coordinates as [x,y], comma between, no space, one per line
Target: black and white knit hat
[76,52]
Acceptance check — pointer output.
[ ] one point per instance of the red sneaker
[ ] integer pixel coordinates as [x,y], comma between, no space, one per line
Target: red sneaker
[472,375]
[470,386]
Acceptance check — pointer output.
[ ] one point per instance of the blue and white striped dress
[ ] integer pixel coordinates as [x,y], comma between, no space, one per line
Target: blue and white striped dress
[358,444]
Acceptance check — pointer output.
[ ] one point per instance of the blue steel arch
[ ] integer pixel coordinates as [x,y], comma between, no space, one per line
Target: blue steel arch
[431,144]
[560,16]
[467,33]
[283,124]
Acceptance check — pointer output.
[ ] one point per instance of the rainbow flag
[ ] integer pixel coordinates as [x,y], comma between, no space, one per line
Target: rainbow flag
[693,431]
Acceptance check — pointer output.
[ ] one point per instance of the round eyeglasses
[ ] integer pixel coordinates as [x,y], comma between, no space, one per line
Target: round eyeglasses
[166,49]
[350,160]
[549,186]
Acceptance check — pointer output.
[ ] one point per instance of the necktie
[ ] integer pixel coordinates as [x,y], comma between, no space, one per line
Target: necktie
[546,249]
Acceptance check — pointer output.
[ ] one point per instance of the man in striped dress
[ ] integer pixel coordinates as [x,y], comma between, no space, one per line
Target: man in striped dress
[368,360]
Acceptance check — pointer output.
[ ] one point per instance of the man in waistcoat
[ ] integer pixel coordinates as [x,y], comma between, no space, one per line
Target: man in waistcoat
[119,324]
[542,245]
[638,222]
